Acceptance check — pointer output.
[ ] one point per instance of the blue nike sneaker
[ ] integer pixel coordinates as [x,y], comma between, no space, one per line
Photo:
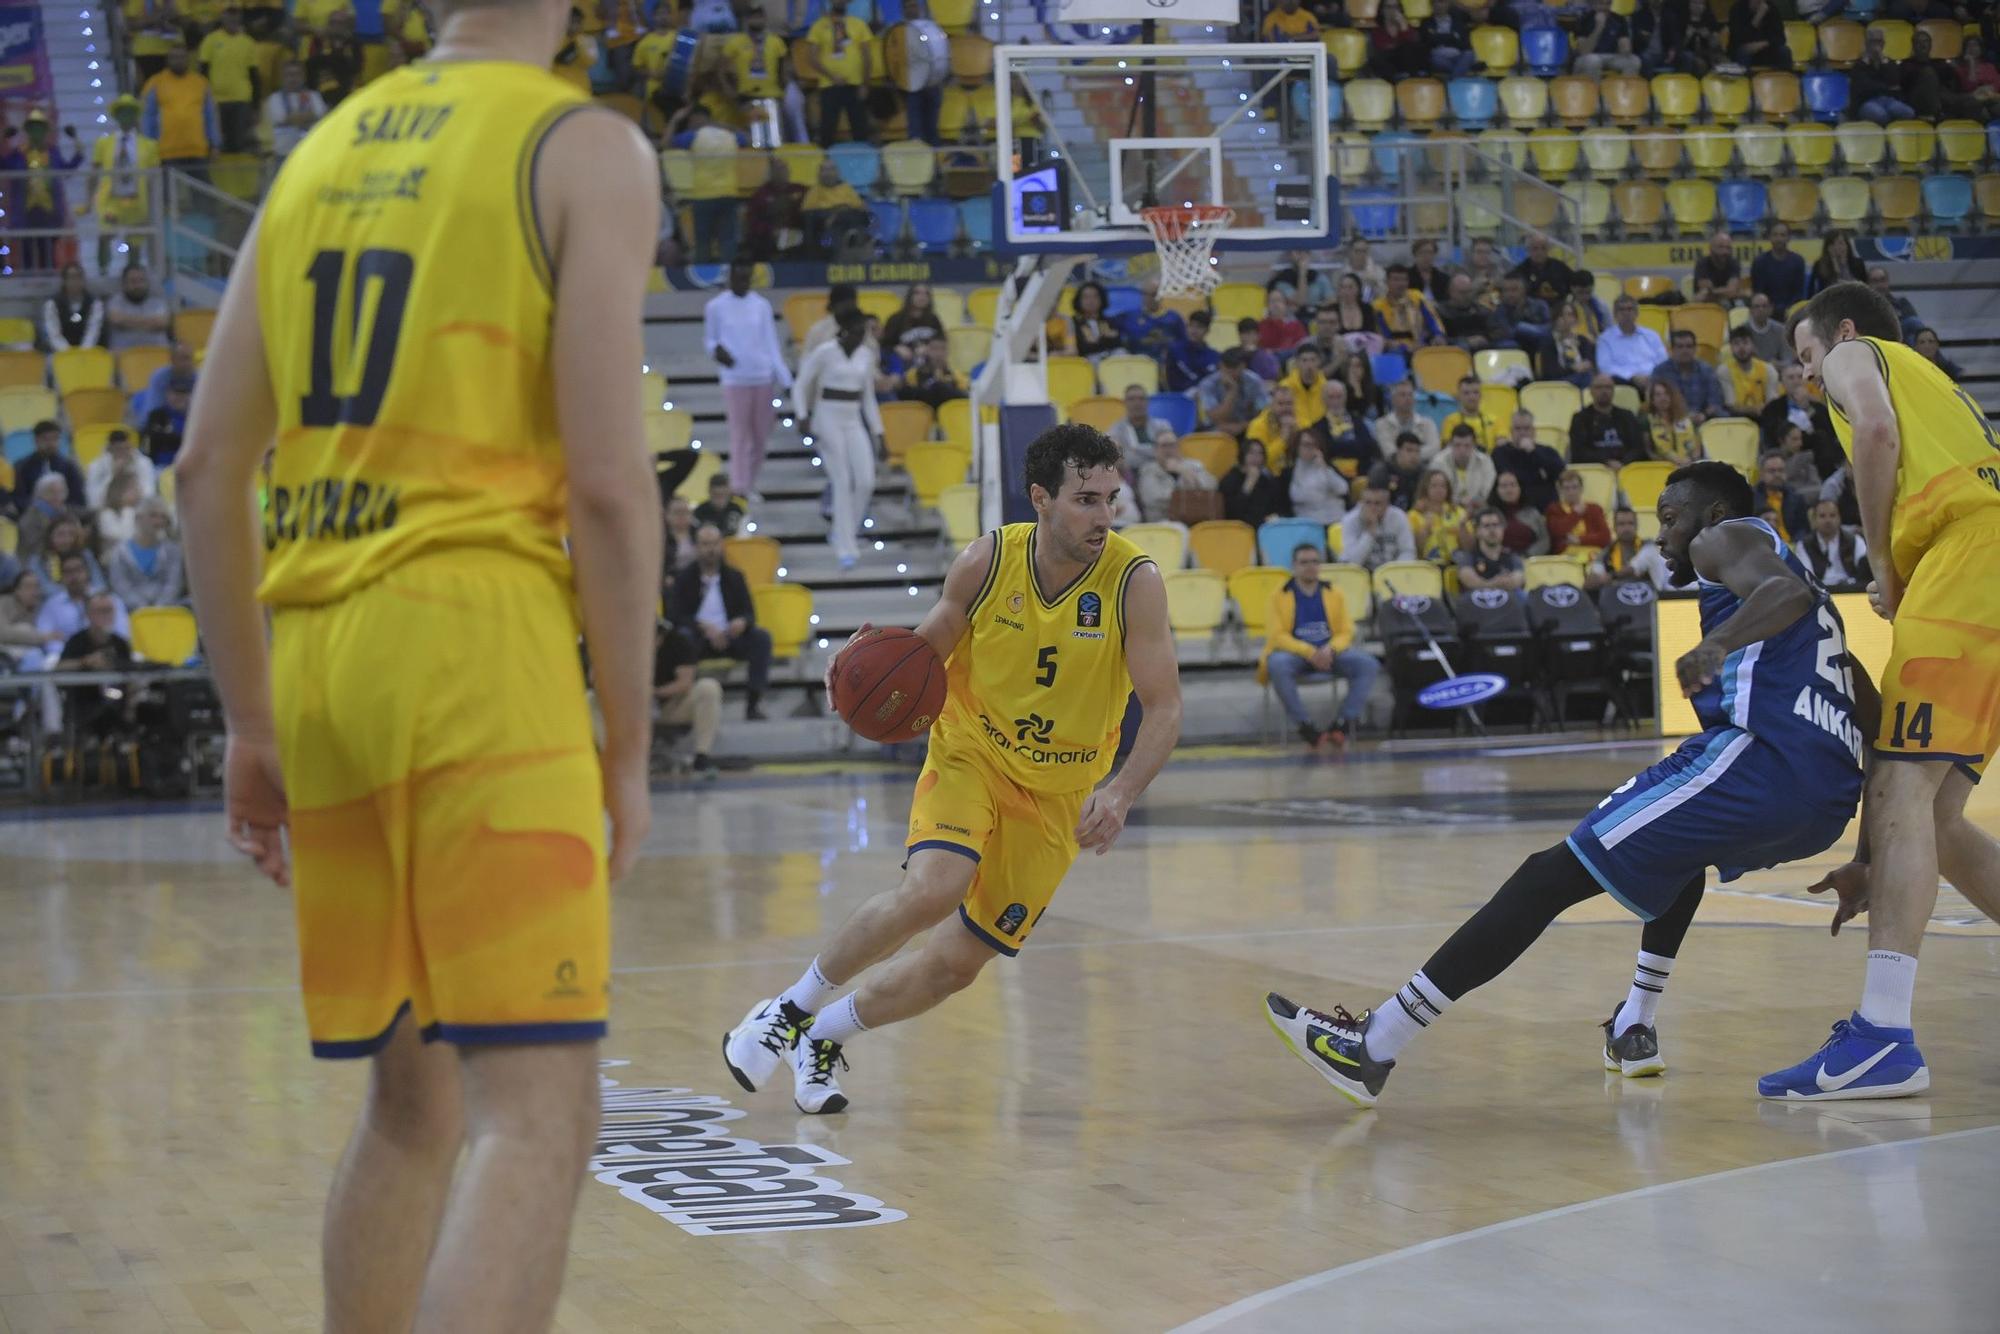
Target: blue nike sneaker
[1859,1060]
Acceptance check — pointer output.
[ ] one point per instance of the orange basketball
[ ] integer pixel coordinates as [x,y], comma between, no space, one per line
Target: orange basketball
[889,684]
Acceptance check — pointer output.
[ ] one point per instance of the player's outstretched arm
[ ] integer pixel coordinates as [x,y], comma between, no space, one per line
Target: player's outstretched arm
[597,190]
[1853,378]
[1741,556]
[951,616]
[1156,679]
[228,429]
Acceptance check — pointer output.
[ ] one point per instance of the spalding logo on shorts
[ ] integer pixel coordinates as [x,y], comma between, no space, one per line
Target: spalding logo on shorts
[890,705]
[1560,595]
[1489,599]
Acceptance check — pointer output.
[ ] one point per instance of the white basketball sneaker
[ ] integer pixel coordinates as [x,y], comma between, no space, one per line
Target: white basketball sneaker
[753,1049]
[814,1086]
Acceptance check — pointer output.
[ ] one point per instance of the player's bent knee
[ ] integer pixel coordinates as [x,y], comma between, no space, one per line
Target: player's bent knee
[953,958]
[414,1099]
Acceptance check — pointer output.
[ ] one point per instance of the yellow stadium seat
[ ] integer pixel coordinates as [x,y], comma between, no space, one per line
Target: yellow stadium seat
[1732,440]
[905,422]
[1794,202]
[1677,97]
[1166,543]
[1099,410]
[1607,150]
[1553,154]
[1600,484]
[668,431]
[802,311]
[1639,204]
[1840,42]
[1479,209]
[1812,147]
[753,170]
[969,345]
[1727,97]
[1551,402]
[801,161]
[1899,200]
[1213,450]
[1237,301]
[1197,600]
[1223,545]
[81,368]
[1626,397]
[1357,590]
[1656,319]
[950,305]
[10,536]
[193,327]
[1353,157]
[1525,99]
[1440,367]
[16,332]
[1496,366]
[1659,152]
[1913,143]
[1542,571]
[87,443]
[910,165]
[1421,102]
[1555,437]
[1628,99]
[136,365]
[1963,143]
[1711,150]
[1705,319]
[954,419]
[1593,205]
[1845,199]
[26,370]
[1762,148]
[1896,37]
[1575,99]
[1370,104]
[1803,41]
[1776,94]
[1642,482]
[1120,371]
[958,506]
[933,467]
[1986,189]
[1509,146]
[1348,49]
[785,611]
[91,407]
[1250,589]
[1948,37]
[1499,49]
[1863,144]
[755,558]
[1692,202]
[1070,378]
[881,302]
[165,635]
[982,304]
[1408,578]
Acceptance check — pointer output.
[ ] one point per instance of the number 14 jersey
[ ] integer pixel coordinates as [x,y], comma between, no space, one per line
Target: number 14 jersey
[406,300]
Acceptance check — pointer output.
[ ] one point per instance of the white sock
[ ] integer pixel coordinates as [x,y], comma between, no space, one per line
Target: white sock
[1892,981]
[1649,979]
[812,991]
[1403,1016]
[840,1023]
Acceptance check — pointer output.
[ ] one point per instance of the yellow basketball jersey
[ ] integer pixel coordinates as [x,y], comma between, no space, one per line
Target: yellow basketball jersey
[1038,685]
[406,302]
[1950,464]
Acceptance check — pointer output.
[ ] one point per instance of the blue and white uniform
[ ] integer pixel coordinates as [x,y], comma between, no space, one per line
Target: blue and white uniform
[1775,776]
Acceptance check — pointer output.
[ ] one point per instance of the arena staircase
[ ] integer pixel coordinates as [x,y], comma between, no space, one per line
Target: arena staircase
[79,44]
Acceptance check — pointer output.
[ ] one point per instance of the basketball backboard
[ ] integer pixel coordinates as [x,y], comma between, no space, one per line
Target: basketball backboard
[1092,134]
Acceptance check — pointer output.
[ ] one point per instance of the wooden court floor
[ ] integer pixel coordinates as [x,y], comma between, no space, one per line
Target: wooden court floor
[1101,1134]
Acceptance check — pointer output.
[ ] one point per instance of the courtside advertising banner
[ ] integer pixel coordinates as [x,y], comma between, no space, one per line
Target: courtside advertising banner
[1134,11]
[24,59]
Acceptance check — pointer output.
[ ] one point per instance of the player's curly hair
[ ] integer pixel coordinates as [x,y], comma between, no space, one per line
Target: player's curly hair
[1711,481]
[1070,446]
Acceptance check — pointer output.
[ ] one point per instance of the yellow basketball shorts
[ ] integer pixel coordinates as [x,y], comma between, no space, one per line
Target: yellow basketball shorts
[1941,688]
[447,814]
[1023,841]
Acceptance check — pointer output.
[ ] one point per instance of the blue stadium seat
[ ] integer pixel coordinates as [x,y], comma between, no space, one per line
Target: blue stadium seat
[1389,368]
[1826,95]
[935,223]
[1546,50]
[1390,147]
[1336,102]
[1993,140]
[1742,203]
[860,165]
[1278,538]
[1862,10]
[977,217]
[1121,301]
[19,445]
[1948,199]
[1175,409]
[1376,214]
[1474,101]
[888,220]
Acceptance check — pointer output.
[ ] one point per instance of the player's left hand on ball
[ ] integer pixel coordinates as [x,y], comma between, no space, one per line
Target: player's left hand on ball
[866,626]
[1850,882]
[254,805]
[1698,666]
[1102,820]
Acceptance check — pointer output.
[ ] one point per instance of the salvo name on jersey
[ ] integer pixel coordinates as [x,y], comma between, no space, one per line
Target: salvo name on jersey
[663,1148]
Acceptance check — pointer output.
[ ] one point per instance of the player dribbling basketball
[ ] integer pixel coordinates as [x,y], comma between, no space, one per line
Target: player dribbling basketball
[1046,628]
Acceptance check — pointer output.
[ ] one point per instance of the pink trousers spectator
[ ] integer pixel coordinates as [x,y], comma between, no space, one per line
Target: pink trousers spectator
[751,418]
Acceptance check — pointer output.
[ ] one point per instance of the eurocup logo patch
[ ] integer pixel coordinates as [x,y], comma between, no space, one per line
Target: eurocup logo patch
[1561,595]
[1010,921]
[1089,611]
[1489,599]
[1634,595]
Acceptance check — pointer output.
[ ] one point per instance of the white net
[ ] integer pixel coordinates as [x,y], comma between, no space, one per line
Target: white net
[1185,236]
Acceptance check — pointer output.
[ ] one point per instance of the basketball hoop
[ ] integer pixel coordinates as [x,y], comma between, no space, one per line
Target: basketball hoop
[1185,235]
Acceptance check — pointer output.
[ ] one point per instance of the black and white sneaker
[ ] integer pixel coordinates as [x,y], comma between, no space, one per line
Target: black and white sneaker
[814,1087]
[1635,1053]
[753,1049]
[1333,1044]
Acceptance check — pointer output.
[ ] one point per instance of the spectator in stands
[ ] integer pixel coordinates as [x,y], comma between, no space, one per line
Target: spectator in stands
[1279,331]
[20,604]
[1396,50]
[1796,406]
[1603,42]
[1629,351]
[1465,320]
[711,196]
[1436,520]
[1403,418]
[682,698]
[1776,502]
[740,333]
[65,538]
[1757,36]
[835,393]
[180,363]
[122,158]
[1627,557]
[917,313]
[1801,471]
[1133,433]
[1287,22]
[64,612]
[1468,466]
[758,67]
[47,502]
[774,222]
[711,602]
[1231,396]
[1748,381]
[1325,334]
[1315,487]
[1401,474]
[1345,437]
[1447,37]
[118,518]
[1574,522]
[1927,345]
[1933,85]
[100,645]
[144,570]
[292,110]
[47,457]
[841,48]
[1603,432]
[1592,316]
[1306,287]
[72,317]
[1779,275]
[1409,320]
[1878,278]
[334,59]
[1483,266]
[1837,263]
[1262,362]
[1251,492]
[1546,278]
[229,61]
[679,552]
[1567,353]
[1310,631]
[574,59]
[1670,427]
[1718,275]
[1519,320]
[1526,532]
[37,200]
[833,211]
[136,316]
[1488,427]
[1092,332]
[1699,388]
[1273,427]
[1350,318]
[1767,336]
[1534,463]
[930,378]
[1425,275]
[1357,373]
[1875,83]
[167,423]
[1168,471]
[1836,553]
[1487,563]
[1307,384]
[1153,329]
[119,456]
[1191,360]
[1375,532]
[178,113]
[722,511]
[1977,76]
[1359,260]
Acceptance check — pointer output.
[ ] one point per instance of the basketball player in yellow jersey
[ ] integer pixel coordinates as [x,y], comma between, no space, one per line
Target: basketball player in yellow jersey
[1926,467]
[1046,629]
[434,331]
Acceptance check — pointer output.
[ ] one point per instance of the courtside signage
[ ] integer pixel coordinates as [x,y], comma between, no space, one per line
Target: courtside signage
[1459,692]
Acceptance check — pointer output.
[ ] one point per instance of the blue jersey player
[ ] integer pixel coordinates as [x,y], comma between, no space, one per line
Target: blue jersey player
[1774,776]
